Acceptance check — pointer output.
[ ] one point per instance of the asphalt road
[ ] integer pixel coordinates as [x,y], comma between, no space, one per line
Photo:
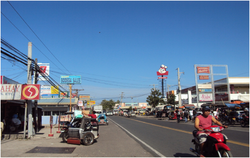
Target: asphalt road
[170,139]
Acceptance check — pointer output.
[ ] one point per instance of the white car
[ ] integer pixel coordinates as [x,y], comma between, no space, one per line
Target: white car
[110,113]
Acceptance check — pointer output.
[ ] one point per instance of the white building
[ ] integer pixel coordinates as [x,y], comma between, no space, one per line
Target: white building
[239,90]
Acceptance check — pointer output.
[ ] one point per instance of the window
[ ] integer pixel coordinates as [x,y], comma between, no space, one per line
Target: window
[55,113]
[47,113]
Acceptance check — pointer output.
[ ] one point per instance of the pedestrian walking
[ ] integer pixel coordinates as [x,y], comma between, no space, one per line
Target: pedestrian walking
[191,114]
[186,116]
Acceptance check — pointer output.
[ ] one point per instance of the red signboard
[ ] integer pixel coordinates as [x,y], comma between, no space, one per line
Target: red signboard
[30,92]
[203,70]
[204,77]
[162,77]
[162,71]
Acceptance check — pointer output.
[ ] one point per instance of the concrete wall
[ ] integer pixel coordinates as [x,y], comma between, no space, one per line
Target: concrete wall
[46,120]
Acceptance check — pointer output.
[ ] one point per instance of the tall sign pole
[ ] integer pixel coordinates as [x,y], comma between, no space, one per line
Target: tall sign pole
[162,72]
[70,91]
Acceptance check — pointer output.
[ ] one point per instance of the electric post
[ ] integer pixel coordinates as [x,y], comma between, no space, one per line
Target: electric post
[70,91]
[179,86]
[121,98]
[29,102]
[35,101]
[153,85]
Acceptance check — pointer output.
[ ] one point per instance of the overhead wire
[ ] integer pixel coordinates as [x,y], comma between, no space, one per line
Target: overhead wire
[30,40]
[38,37]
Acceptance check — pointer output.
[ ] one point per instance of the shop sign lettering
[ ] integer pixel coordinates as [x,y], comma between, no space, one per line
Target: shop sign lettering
[206,97]
[203,70]
[11,91]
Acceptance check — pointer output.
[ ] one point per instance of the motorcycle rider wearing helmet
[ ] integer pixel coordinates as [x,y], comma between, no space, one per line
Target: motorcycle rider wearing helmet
[201,122]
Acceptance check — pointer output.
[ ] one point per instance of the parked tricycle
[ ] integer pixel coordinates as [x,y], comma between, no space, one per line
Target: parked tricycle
[85,131]
[102,119]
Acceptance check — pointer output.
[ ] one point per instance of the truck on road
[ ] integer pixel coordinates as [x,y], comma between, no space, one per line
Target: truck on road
[98,109]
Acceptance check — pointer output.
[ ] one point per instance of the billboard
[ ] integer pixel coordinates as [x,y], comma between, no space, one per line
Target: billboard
[30,92]
[162,71]
[6,80]
[203,70]
[55,90]
[70,79]
[11,91]
[84,97]
[206,97]
[44,68]
[47,92]
[64,94]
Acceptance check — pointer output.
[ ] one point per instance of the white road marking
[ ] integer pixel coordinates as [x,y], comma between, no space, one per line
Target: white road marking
[157,152]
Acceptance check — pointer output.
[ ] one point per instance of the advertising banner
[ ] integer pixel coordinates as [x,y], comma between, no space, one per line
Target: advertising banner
[84,97]
[54,90]
[70,80]
[64,94]
[44,68]
[204,85]
[205,90]
[45,90]
[6,80]
[11,91]
[162,71]
[80,103]
[30,92]
[203,70]
[206,97]
[204,77]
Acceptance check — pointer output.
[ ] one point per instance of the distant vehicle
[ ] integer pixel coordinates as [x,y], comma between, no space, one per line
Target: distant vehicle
[133,114]
[115,111]
[98,109]
[109,113]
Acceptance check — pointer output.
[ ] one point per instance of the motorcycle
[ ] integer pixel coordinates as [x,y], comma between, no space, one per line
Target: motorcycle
[244,121]
[215,144]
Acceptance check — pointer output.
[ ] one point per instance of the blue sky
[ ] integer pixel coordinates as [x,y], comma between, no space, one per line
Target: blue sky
[118,46]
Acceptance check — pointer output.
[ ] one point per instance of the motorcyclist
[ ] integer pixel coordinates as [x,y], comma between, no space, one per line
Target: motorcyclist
[201,122]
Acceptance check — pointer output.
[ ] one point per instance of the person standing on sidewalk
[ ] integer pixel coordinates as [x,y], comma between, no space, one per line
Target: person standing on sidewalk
[191,115]
[178,115]
[186,116]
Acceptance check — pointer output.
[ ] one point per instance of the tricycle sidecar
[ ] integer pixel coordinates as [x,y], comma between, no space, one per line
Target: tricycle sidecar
[87,132]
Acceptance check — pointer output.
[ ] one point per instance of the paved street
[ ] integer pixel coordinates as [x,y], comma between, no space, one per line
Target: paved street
[141,136]
[113,142]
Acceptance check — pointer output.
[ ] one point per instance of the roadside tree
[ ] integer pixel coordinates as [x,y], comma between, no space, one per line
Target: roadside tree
[155,98]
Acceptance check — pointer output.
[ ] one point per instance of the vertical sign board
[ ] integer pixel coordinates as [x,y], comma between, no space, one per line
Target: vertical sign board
[70,80]
[11,91]
[45,69]
[206,92]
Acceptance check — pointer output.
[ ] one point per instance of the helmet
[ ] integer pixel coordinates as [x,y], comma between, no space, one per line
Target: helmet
[206,108]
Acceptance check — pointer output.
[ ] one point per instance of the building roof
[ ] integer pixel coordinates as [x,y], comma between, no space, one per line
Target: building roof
[57,101]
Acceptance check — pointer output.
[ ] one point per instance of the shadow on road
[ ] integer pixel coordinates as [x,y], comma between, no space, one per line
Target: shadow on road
[183,155]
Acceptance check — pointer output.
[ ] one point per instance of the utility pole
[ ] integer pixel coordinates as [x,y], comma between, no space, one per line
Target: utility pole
[77,90]
[121,98]
[179,86]
[168,89]
[153,85]
[28,105]
[70,91]
[35,101]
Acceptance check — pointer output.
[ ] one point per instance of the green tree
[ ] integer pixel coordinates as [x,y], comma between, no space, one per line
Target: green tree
[109,105]
[155,98]
[171,99]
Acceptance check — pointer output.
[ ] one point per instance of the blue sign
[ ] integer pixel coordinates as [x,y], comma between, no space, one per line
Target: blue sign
[70,80]
[205,90]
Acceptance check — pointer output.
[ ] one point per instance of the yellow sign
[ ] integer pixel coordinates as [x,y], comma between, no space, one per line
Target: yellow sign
[92,102]
[54,90]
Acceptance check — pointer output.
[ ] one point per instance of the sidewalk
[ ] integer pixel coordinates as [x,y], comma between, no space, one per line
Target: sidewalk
[113,142]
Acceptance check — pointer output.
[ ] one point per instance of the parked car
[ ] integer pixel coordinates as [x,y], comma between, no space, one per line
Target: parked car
[109,113]
[133,114]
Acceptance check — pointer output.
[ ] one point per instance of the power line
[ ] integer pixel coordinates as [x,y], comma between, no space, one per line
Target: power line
[30,40]
[37,36]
